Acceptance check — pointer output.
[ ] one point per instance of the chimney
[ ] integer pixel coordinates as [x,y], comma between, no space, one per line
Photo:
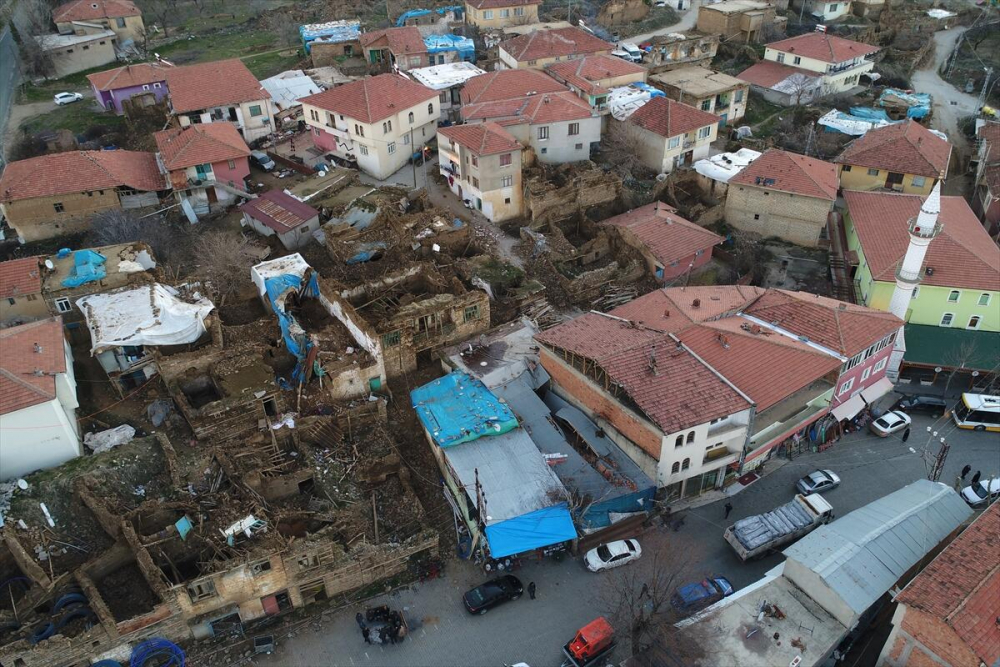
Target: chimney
[666,312]
[724,340]
[652,360]
[842,306]
[696,303]
[38,348]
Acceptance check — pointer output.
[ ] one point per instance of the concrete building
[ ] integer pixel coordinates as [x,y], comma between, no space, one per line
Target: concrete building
[38,402]
[905,157]
[207,165]
[671,245]
[824,10]
[494,14]
[593,77]
[121,17]
[668,134]
[276,213]
[482,163]
[74,53]
[785,195]
[221,91]
[544,47]
[943,615]
[798,70]
[115,88]
[986,200]
[704,89]
[687,49]
[56,194]
[746,20]
[870,8]
[379,121]
[448,80]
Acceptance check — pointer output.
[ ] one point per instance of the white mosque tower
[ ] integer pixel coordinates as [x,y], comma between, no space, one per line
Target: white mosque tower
[923,229]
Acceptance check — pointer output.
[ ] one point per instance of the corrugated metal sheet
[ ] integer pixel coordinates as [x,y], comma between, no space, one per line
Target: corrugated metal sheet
[863,554]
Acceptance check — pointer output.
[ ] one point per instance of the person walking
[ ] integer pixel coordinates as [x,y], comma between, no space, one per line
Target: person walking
[367,634]
[361,620]
[729,508]
[531,590]
[965,471]
[975,478]
[906,434]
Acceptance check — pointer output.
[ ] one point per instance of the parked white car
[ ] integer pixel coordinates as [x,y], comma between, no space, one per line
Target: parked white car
[611,555]
[67,98]
[889,423]
[983,491]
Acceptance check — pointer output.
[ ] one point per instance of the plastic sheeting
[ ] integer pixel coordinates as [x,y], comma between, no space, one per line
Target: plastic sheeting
[541,528]
[465,47]
[838,121]
[88,266]
[457,10]
[332,32]
[103,441]
[147,315]
[760,529]
[623,101]
[458,408]
[278,288]
[724,166]
[289,87]
[918,104]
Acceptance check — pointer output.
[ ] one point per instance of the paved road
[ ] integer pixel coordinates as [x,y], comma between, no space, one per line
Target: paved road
[532,631]
[950,104]
[687,22]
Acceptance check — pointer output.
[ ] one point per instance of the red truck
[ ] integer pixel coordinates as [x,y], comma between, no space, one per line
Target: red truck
[591,643]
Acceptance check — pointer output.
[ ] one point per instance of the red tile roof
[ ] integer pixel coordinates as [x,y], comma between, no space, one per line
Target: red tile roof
[961,588]
[508,84]
[80,171]
[130,75]
[962,255]
[482,138]
[20,276]
[584,73]
[85,10]
[673,310]
[768,73]
[667,118]
[562,42]
[373,98]
[906,148]
[823,46]
[790,172]
[667,236]
[279,211]
[205,143]
[537,109]
[31,355]
[213,84]
[495,4]
[990,133]
[401,41]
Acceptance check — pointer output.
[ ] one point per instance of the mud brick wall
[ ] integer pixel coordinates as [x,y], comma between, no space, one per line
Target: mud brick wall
[585,190]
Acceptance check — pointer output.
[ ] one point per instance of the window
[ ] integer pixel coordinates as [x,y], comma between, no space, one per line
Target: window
[506,159]
[430,108]
[58,206]
[475,161]
[846,387]
[488,14]
[797,60]
[391,147]
[953,296]
[916,291]
[984,299]
[410,117]
[504,13]
[579,147]
[507,182]
[946,319]
[543,133]
[308,561]
[532,62]
[232,164]
[471,313]
[387,127]
[738,97]
[358,130]
[706,105]
[506,200]
[475,182]
[363,150]
[155,86]
[865,374]
[674,142]
[11,300]
[679,442]
[872,171]
[519,11]
[255,110]
[86,47]
[686,464]
[781,57]
[705,132]
[120,22]
[430,60]
[406,139]
[973,322]
[756,216]
[257,569]
[544,151]
[315,116]
[881,364]
[574,129]
[676,467]
[62,305]
[201,590]
[918,181]
[833,8]
[391,339]
[145,86]
[847,167]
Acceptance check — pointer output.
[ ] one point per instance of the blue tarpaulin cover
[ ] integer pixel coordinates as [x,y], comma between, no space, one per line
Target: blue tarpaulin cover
[458,10]
[366,251]
[919,104]
[458,408]
[441,43]
[333,32]
[653,92]
[297,345]
[867,113]
[88,266]
[534,530]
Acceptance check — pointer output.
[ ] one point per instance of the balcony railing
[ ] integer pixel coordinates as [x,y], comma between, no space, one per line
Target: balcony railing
[716,454]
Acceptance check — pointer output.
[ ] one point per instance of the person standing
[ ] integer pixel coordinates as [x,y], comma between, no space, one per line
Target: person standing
[729,508]
[965,471]
[361,620]
[366,633]
[906,434]
[531,590]
[975,478]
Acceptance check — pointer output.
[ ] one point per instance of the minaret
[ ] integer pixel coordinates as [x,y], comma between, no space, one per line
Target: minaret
[923,229]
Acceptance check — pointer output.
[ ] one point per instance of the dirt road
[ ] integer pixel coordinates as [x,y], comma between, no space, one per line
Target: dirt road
[950,104]
[686,23]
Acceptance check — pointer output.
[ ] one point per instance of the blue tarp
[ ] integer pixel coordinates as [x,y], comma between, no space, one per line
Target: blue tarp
[867,113]
[465,47]
[534,530]
[458,408]
[458,10]
[366,251]
[333,32]
[88,266]
[919,103]
[277,286]
[653,92]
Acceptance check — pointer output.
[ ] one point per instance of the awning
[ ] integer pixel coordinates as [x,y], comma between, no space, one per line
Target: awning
[850,407]
[877,390]
[534,530]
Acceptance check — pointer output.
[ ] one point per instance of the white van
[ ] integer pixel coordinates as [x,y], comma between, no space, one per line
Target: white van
[629,52]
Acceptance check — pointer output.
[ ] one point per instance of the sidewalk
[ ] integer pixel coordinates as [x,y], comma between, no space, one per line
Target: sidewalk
[716,495]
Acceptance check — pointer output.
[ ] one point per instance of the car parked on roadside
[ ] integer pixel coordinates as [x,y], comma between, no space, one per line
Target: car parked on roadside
[982,492]
[484,597]
[611,555]
[262,160]
[932,405]
[67,98]
[818,482]
[699,595]
[889,423]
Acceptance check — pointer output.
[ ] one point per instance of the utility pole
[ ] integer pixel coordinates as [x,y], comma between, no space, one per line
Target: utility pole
[809,141]
[939,460]
[986,87]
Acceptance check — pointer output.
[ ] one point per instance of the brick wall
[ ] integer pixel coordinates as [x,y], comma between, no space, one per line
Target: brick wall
[793,218]
[919,639]
[325,55]
[36,219]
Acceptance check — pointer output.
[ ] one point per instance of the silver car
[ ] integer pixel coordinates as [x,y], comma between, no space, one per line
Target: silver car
[818,482]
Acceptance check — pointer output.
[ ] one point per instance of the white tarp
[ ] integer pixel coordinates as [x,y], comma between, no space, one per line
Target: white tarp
[724,166]
[440,77]
[852,125]
[289,87]
[148,315]
[102,441]
[623,101]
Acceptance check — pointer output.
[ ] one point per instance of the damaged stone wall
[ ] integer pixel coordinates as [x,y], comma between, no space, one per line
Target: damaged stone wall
[553,193]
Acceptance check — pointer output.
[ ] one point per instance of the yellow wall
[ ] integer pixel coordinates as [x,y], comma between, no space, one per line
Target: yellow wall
[477,17]
[37,218]
[854,177]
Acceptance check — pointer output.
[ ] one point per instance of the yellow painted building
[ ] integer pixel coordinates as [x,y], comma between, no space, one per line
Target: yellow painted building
[497,14]
[906,157]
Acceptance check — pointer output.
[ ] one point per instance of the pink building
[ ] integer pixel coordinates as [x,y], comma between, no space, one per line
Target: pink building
[142,83]
[208,164]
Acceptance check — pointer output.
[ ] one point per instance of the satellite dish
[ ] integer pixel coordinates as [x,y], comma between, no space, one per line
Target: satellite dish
[49,265]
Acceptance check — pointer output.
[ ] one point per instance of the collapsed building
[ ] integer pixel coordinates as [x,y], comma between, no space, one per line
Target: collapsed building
[140,542]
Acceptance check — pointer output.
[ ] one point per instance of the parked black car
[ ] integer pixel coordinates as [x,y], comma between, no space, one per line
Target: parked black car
[495,591]
[932,405]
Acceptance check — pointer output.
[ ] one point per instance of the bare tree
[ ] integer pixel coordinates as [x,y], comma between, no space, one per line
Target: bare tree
[31,18]
[116,226]
[224,259]
[800,88]
[622,146]
[750,256]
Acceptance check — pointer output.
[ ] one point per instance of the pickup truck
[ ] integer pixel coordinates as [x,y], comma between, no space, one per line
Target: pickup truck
[759,535]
